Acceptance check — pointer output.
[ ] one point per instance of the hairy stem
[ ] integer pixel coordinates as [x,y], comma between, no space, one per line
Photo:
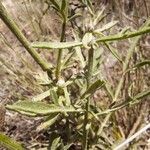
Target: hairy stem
[89,76]
[60,53]
[116,37]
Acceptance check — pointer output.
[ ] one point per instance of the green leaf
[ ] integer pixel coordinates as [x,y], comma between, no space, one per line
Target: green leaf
[109,90]
[49,122]
[78,50]
[141,64]
[98,17]
[67,97]
[129,101]
[142,94]
[41,96]
[42,78]
[137,98]
[9,143]
[30,114]
[106,27]
[80,56]
[40,108]
[54,96]
[45,148]
[31,107]
[55,45]
[75,16]
[67,59]
[56,143]
[56,4]
[92,89]
[66,147]
[98,59]
[113,51]
[125,30]
[88,4]
[63,5]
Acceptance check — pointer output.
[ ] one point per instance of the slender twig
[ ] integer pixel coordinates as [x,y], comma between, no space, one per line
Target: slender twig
[17,32]
[116,37]
[130,101]
[60,52]
[89,76]
[127,60]
[132,137]
[125,66]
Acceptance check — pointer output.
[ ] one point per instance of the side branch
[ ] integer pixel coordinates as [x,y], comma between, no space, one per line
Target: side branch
[116,37]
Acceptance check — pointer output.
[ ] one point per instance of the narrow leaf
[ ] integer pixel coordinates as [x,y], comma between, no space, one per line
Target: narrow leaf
[113,51]
[109,90]
[98,17]
[41,96]
[54,96]
[74,16]
[98,59]
[40,108]
[43,79]
[55,45]
[141,64]
[78,50]
[92,89]
[45,148]
[50,121]
[55,3]
[55,144]
[80,56]
[106,27]
[66,147]
[67,96]
[142,94]
[9,143]
[63,5]
[67,59]
[31,107]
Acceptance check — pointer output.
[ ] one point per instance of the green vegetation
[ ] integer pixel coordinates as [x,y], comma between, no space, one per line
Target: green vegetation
[9,143]
[76,120]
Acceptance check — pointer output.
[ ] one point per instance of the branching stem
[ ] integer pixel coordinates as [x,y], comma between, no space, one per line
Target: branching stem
[125,67]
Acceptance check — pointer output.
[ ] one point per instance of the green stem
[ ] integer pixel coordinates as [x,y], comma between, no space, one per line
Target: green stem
[124,36]
[89,76]
[125,67]
[60,53]
[17,32]
[127,60]
[116,37]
